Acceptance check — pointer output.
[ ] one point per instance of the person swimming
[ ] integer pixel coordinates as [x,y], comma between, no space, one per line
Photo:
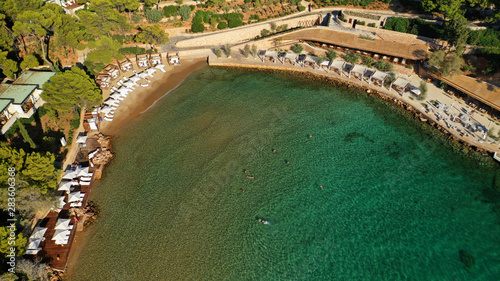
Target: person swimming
[263,221]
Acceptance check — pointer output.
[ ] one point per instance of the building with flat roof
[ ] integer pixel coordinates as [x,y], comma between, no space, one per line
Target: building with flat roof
[21,98]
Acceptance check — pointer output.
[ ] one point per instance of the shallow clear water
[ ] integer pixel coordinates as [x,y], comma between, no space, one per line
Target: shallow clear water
[395,204]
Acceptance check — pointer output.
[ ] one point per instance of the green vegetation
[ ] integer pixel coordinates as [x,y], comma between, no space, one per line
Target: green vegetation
[185,12]
[152,35]
[446,64]
[352,57]
[368,61]
[218,53]
[222,25]
[197,27]
[169,11]
[331,54]
[423,91]
[297,48]
[384,66]
[71,89]
[153,16]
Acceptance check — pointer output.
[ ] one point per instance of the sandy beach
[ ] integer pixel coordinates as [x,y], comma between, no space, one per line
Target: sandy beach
[142,98]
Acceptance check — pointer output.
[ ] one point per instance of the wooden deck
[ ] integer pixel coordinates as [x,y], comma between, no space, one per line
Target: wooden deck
[49,249]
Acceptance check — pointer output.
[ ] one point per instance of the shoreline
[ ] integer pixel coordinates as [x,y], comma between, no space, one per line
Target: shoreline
[147,98]
[370,89]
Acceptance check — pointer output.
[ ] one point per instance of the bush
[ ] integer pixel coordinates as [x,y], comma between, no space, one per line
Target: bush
[423,91]
[371,24]
[169,11]
[235,23]
[331,54]
[297,49]
[222,25]
[218,53]
[136,18]
[368,61]
[301,8]
[185,12]
[360,22]
[397,24]
[197,27]
[132,51]
[352,58]
[383,66]
[153,16]
[265,32]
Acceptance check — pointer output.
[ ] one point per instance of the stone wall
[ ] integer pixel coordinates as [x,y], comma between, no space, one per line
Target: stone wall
[244,33]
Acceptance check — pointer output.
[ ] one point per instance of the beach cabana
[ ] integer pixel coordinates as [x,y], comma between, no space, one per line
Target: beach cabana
[62,224]
[291,58]
[125,64]
[142,61]
[337,65]
[38,232]
[325,65]
[271,55]
[358,71]
[301,59]
[399,85]
[103,80]
[310,61]
[173,59]
[111,70]
[155,59]
[378,77]
[281,57]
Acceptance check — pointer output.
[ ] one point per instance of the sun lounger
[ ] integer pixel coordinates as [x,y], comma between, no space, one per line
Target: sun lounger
[144,85]
[85,178]
[31,252]
[107,119]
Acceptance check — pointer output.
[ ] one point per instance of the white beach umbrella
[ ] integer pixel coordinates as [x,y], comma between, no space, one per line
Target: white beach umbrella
[69,175]
[81,139]
[65,185]
[61,201]
[39,232]
[74,197]
[111,101]
[62,223]
[33,244]
[142,74]
[116,96]
[84,172]
[135,78]
[161,67]
[106,109]
[61,234]
[129,84]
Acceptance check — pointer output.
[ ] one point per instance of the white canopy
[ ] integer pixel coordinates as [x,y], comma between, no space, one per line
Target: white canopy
[160,67]
[84,172]
[61,201]
[400,82]
[65,185]
[416,91]
[74,197]
[39,232]
[33,244]
[116,96]
[358,69]
[111,101]
[325,63]
[81,139]
[61,234]
[129,84]
[106,109]
[150,71]
[337,64]
[69,175]
[379,75]
[142,74]
[291,56]
[62,223]
[134,78]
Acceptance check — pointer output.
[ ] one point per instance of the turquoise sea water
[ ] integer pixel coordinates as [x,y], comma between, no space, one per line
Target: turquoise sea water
[395,204]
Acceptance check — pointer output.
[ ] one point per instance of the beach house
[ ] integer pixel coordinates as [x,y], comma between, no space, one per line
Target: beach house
[103,80]
[155,59]
[125,64]
[111,70]
[21,98]
[142,61]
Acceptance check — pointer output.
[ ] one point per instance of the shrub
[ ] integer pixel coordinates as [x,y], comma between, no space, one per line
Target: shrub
[218,53]
[297,48]
[371,25]
[169,11]
[352,58]
[197,27]
[222,25]
[132,51]
[235,23]
[360,22]
[331,54]
[136,18]
[368,61]
[246,52]
[153,16]
[423,91]
[185,12]
[383,66]
[265,32]
[301,8]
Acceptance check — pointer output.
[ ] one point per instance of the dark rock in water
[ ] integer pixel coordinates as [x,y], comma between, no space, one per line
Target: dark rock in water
[466,258]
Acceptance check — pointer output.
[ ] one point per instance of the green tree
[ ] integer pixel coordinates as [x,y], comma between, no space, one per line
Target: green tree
[126,5]
[446,64]
[6,40]
[227,48]
[105,50]
[185,12]
[20,242]
[25,135]
[320,59]
[197,27]
[153,34]
[368,61]
[331,54]
[69,33]
[40,24]
[70,89]
[40,171]
[352,58]
[10,157]
[153,16]
[29,61]
[423,91]
[456,32]
[9,67]
[265,32]
[397,24]
[222,25]
[246,52]
[218,53]
[297,48]
[100,19]
[254,50]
